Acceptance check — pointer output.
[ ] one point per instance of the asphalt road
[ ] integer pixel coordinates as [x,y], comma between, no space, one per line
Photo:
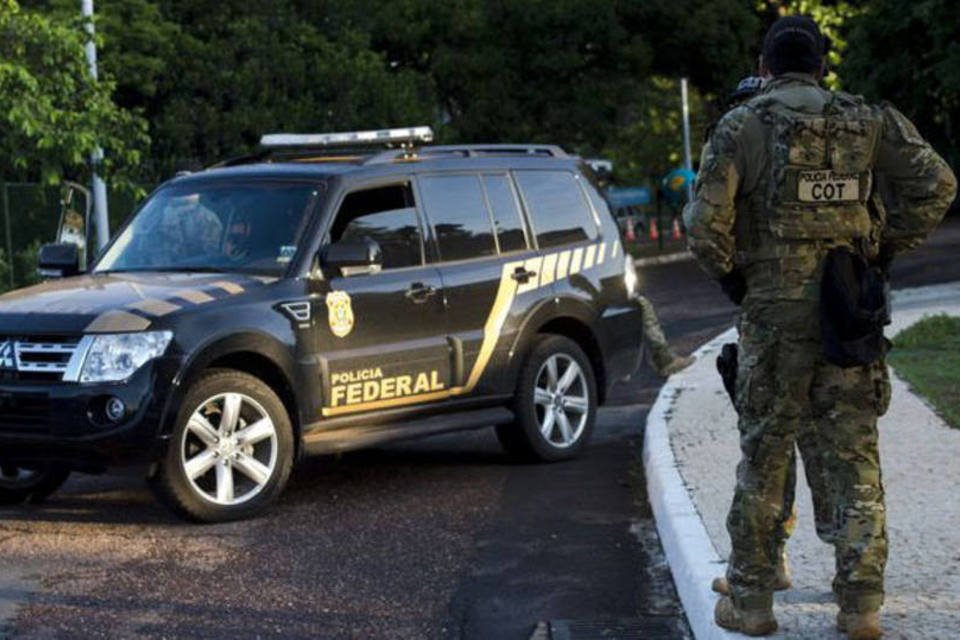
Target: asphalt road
[438,538]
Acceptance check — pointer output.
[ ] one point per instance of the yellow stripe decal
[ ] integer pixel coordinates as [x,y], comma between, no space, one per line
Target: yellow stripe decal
[576,261]
[589,256]
[112,321]
[230,287]
[154,307]
[194,295]
[602,253]
[548,269]
[563,264]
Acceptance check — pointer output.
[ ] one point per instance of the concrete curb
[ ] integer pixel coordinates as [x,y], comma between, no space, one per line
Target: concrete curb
[693,559]
[682,256]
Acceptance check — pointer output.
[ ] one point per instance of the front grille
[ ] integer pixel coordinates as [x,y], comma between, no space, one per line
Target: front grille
[39,359]
[24,412]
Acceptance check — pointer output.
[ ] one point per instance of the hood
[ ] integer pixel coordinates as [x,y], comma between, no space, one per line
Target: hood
[113,302]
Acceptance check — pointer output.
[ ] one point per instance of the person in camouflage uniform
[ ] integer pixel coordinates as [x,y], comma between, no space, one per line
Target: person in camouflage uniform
[662,357]
[785,179]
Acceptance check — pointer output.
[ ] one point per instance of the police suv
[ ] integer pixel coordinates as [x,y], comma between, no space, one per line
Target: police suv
[320,296]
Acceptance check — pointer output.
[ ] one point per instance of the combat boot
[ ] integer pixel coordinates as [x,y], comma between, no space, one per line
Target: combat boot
[782,583]
[678,364]
[860,626]
[748,622]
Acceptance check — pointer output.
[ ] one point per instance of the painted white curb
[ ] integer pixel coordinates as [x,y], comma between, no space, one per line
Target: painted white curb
[694,561]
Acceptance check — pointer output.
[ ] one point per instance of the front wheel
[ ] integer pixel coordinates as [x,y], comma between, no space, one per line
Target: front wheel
[231,451]
[31,483]
[555,404]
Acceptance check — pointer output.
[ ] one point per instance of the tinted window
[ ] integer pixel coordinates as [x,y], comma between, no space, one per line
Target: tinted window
[386,215]
[455,208]
[506,213]
[559,211]
[254,227]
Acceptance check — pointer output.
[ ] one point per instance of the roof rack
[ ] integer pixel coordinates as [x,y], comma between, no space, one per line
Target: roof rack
[471,151]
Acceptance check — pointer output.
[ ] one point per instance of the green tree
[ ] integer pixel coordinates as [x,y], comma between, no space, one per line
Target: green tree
[52,113]
[240,71]
[909,53]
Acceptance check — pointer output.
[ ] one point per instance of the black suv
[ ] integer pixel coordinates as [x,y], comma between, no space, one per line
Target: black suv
[315,299]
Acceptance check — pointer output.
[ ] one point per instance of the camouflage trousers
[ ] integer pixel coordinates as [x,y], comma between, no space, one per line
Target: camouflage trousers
[656,342]
[790,398]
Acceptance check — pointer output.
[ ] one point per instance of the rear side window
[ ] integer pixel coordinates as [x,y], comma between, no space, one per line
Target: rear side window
[456,209]
[560,213]
[386,215]
[506,213]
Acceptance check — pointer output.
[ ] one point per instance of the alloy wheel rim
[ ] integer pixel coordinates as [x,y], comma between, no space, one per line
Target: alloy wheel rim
[561,401]
[228,451]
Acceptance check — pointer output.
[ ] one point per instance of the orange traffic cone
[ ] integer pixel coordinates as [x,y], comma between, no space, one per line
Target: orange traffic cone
[677,233]
[631,233]
[654,232]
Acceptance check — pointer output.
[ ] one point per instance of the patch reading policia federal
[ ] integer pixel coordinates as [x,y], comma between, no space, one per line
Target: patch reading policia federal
[420,289]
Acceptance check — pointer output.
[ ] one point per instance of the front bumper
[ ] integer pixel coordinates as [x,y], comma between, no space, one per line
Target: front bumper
[64,422]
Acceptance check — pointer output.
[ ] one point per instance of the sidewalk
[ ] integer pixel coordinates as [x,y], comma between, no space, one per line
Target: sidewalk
[691,451]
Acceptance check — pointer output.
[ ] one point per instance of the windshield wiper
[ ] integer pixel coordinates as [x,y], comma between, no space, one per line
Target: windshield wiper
[187,269]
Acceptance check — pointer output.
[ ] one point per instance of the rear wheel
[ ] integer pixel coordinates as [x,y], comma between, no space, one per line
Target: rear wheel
[555,405]
[30,483]
[231,450]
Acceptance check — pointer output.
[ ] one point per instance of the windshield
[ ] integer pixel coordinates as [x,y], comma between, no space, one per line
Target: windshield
[250,227]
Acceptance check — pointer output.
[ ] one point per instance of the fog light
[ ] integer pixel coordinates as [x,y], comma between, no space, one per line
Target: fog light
[115,409]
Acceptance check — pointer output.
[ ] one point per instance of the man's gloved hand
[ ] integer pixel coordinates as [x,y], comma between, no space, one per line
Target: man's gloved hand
[735,286]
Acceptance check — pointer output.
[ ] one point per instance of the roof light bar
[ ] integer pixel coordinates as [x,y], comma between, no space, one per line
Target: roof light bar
[409,135]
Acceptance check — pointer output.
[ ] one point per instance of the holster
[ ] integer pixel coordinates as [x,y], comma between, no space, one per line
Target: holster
[727,363]
[854,309]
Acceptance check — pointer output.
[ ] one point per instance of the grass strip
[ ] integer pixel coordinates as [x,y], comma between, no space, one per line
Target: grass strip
[927,356]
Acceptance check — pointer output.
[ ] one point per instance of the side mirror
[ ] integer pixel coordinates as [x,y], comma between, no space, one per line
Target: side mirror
[354,256]
[58,260]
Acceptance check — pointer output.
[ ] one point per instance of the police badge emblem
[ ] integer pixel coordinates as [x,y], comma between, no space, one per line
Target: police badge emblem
[340,313]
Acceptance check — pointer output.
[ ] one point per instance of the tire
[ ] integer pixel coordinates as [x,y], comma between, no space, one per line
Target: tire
[216,471]
[534,435]
[31,484]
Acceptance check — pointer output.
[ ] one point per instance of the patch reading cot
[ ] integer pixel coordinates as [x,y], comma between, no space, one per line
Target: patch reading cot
[828,186]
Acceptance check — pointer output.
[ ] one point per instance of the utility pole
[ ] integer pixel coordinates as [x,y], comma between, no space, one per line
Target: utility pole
[687,162]
[101,219]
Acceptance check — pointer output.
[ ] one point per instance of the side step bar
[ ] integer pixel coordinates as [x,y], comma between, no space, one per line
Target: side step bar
[360,437]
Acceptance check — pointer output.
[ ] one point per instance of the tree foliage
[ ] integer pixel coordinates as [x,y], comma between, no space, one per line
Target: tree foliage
[909,53]
[52,114]
[597,77]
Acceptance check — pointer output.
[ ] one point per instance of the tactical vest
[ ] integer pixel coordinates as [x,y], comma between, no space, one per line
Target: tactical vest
[818,179]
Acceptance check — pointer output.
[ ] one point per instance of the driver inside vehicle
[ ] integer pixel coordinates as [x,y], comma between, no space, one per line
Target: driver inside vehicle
[189,229]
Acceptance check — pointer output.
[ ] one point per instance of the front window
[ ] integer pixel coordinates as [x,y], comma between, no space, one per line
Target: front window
[254,227]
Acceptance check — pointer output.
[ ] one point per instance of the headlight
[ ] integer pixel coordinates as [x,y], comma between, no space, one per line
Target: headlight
[630,277]
[116,357]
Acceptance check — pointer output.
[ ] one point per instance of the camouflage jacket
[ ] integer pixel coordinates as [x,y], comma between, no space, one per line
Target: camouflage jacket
[740,219]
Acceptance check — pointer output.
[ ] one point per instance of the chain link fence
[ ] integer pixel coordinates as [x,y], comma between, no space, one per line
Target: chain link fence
[29,217]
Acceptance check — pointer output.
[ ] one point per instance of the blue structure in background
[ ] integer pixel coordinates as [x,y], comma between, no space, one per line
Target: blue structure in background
[622,197]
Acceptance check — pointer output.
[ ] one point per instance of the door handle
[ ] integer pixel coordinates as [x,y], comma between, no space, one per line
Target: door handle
[522,275]
[418,293]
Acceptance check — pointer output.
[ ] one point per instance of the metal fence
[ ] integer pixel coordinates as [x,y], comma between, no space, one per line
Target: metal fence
[29,216]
